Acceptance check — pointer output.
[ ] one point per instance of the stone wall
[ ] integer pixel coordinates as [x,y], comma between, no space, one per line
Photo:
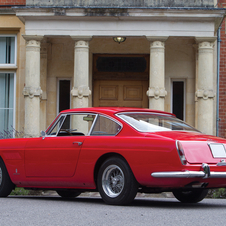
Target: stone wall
[123,3]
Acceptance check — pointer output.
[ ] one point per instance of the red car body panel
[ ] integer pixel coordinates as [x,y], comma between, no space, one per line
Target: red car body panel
[60,162]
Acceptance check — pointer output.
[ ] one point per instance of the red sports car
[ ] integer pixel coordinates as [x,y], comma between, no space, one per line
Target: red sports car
[117,152]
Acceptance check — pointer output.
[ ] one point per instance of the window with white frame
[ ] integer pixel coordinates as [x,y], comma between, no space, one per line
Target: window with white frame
[7,85]
[7,93]
[8,50]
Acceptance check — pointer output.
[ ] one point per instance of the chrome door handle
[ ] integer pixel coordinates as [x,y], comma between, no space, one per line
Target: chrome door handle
[79,143]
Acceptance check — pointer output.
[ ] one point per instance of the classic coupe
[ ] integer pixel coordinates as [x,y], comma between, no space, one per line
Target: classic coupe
[117,152]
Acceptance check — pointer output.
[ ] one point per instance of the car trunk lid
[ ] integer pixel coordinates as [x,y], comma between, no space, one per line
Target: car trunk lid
[199,148]
[202,151]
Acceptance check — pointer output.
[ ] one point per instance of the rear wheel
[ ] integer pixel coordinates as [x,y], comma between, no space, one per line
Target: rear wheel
[192,196]
[116,182]
[6,185]
[68,193]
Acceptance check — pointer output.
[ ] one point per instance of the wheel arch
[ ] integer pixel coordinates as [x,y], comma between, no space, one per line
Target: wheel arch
[2,159]
[8,181]
[101,160]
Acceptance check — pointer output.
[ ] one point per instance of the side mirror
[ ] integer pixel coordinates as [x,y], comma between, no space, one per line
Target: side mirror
[43,134]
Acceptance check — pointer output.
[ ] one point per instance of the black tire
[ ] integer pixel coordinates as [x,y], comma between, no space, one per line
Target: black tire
[6,185]
[68,193]
[192,196]
[116,182]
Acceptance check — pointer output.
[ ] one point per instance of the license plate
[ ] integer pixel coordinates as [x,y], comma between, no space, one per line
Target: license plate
[218,150]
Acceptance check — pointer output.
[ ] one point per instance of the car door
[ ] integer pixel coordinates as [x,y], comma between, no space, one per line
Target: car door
[56,155]
[52,156]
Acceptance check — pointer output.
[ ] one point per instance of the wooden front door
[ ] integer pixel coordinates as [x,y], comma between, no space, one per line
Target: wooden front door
[120,80]
[120,93]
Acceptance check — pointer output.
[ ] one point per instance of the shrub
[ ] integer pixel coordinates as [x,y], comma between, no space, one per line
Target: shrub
[20,191]
[11,133]
[217,193]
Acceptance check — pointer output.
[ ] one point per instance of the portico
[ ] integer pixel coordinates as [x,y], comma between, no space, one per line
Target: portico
[180,46]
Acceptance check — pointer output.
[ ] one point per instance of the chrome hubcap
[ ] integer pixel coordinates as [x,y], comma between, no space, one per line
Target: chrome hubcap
[113,181]
[0,176]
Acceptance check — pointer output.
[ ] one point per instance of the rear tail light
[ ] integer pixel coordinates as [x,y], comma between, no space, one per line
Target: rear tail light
[181,153]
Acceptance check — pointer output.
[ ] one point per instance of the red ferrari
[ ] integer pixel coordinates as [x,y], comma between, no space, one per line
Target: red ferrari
[117,152]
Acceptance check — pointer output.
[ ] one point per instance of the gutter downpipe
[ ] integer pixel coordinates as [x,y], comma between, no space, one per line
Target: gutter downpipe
[218,78]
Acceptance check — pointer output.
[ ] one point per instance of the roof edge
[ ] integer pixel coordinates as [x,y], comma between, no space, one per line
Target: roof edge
[117,7]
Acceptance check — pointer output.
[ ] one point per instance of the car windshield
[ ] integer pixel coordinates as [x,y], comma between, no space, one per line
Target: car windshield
[148,122]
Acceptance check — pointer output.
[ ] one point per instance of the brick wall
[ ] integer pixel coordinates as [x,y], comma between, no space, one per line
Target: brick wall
[222,90]
[12,2]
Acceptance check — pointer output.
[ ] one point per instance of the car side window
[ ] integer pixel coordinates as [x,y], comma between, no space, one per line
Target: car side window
[56,127]
[74,125]
[105,126]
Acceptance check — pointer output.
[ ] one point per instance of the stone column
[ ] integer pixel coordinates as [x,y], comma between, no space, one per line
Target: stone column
[156,91]
[80,91]
[32,90]
[204,85]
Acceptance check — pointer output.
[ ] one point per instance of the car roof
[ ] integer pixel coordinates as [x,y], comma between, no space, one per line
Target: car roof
[113,110]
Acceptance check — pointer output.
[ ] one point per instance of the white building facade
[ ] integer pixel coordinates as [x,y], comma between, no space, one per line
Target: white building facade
[167,62]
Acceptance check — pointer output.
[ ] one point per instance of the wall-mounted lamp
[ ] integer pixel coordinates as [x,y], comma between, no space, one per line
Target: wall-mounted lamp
[119,39]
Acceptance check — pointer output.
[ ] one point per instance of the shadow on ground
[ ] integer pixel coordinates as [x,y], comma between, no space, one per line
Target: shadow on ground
[156,202]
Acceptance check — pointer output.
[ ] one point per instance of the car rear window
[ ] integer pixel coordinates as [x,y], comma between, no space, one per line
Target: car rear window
[147,122]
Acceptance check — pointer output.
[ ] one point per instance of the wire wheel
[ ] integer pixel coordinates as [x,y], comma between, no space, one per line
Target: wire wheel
[116,182]
[113,181]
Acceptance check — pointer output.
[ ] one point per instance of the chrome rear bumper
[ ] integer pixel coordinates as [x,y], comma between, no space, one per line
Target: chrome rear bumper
[205,173]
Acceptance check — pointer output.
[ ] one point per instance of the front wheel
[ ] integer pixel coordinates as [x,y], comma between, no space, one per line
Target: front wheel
[116,182]
[6,185]
[192,196]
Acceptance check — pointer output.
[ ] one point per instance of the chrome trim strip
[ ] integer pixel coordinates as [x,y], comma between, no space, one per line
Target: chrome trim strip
[218,175]
[188,174]
[178,174]
[221,164]
[148,112]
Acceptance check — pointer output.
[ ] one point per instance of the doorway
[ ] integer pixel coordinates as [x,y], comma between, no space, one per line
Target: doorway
[64,94]
[178,103]
[120,80]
